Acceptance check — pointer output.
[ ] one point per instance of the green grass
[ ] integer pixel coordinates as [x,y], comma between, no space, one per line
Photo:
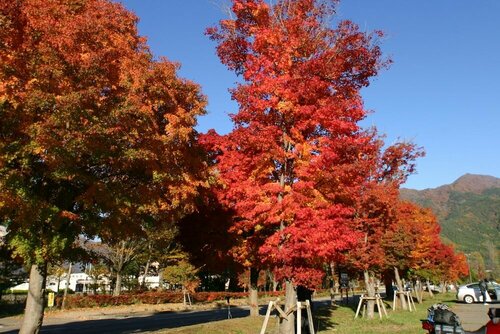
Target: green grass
[246,325]
[338,320]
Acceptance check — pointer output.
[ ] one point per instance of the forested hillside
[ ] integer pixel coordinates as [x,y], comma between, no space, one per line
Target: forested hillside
[469,214]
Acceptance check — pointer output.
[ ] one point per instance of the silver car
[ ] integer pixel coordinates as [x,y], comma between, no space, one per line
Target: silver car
[470,293]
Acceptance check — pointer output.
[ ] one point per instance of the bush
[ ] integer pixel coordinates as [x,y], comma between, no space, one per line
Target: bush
[152,297]
[79,300]
[15,292]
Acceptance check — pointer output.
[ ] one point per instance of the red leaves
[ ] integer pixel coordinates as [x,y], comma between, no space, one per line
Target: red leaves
[296,162]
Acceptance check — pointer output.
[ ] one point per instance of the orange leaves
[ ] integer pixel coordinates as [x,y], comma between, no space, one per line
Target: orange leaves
[414,243]
[93,128]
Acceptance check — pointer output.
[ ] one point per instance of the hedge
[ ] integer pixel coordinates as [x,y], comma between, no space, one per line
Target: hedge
[158,297]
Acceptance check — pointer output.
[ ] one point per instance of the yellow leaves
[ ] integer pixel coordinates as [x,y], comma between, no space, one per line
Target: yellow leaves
[158,176]
[37,149]
[285,106]
[32,82]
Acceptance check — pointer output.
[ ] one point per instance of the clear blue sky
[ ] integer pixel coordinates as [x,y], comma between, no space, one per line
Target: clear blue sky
[442,92]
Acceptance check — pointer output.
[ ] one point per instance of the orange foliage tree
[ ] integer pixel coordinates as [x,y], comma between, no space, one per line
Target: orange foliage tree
[376,207]
[428,257]
[96,137]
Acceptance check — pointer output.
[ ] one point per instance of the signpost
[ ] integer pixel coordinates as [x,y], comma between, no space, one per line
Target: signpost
[50,299]
[344,286]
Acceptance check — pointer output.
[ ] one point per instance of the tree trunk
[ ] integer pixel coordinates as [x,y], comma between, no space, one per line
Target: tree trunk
[146,270]
[269,280]
[389,290]
[399,284]
[414,286]
[118,284]
[443,286]
[253,292]
[35,303]
[68,278]
[160,279]
[429,288]
[287,325]
[332,283]
[419,291]
[370,290]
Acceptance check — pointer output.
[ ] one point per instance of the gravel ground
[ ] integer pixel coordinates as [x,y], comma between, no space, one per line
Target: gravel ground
[473,316]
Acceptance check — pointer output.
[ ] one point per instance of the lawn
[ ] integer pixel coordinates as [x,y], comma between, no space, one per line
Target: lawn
[338,320]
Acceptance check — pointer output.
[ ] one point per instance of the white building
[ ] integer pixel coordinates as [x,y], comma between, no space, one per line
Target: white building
[81,282]
[3,233]
[78,282]
[151,282]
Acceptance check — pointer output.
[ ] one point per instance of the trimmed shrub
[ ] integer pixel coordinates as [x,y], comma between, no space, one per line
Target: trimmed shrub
[151,297]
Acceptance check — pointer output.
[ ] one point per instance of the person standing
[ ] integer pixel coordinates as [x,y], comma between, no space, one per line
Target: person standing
[483,287]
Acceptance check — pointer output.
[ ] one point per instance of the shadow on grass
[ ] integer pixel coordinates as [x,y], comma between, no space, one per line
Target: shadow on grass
[353,304]
[323,318]
[11,309]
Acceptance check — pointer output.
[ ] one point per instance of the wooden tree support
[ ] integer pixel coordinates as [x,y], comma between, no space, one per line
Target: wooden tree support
[363,300]
[187,298]
[275,305]
[407,295]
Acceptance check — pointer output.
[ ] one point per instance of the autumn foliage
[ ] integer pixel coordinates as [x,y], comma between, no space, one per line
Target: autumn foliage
[93,129]
[297,161]
[429,257]
[308,186]
[97,137]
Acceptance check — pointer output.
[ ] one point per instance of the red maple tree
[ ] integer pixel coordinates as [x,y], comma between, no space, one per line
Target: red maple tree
[297,157]
[376,213]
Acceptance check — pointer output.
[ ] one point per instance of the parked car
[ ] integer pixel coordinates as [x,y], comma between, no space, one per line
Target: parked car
[470,293]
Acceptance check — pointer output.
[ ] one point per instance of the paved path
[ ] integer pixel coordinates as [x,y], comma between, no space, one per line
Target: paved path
[125,323]
[473,316]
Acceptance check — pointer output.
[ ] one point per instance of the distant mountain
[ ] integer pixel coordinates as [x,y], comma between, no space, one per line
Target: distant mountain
[468,211]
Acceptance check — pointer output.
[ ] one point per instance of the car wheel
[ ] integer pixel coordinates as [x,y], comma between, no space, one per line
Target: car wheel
[468,299]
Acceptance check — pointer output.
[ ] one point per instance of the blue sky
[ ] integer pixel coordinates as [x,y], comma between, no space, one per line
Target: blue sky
[442,91]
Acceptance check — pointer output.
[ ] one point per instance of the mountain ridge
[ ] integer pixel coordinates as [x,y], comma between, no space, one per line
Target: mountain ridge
[468,182]
[468,211]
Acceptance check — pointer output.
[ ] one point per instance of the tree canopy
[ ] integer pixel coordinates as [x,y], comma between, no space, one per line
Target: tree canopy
[97,137]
